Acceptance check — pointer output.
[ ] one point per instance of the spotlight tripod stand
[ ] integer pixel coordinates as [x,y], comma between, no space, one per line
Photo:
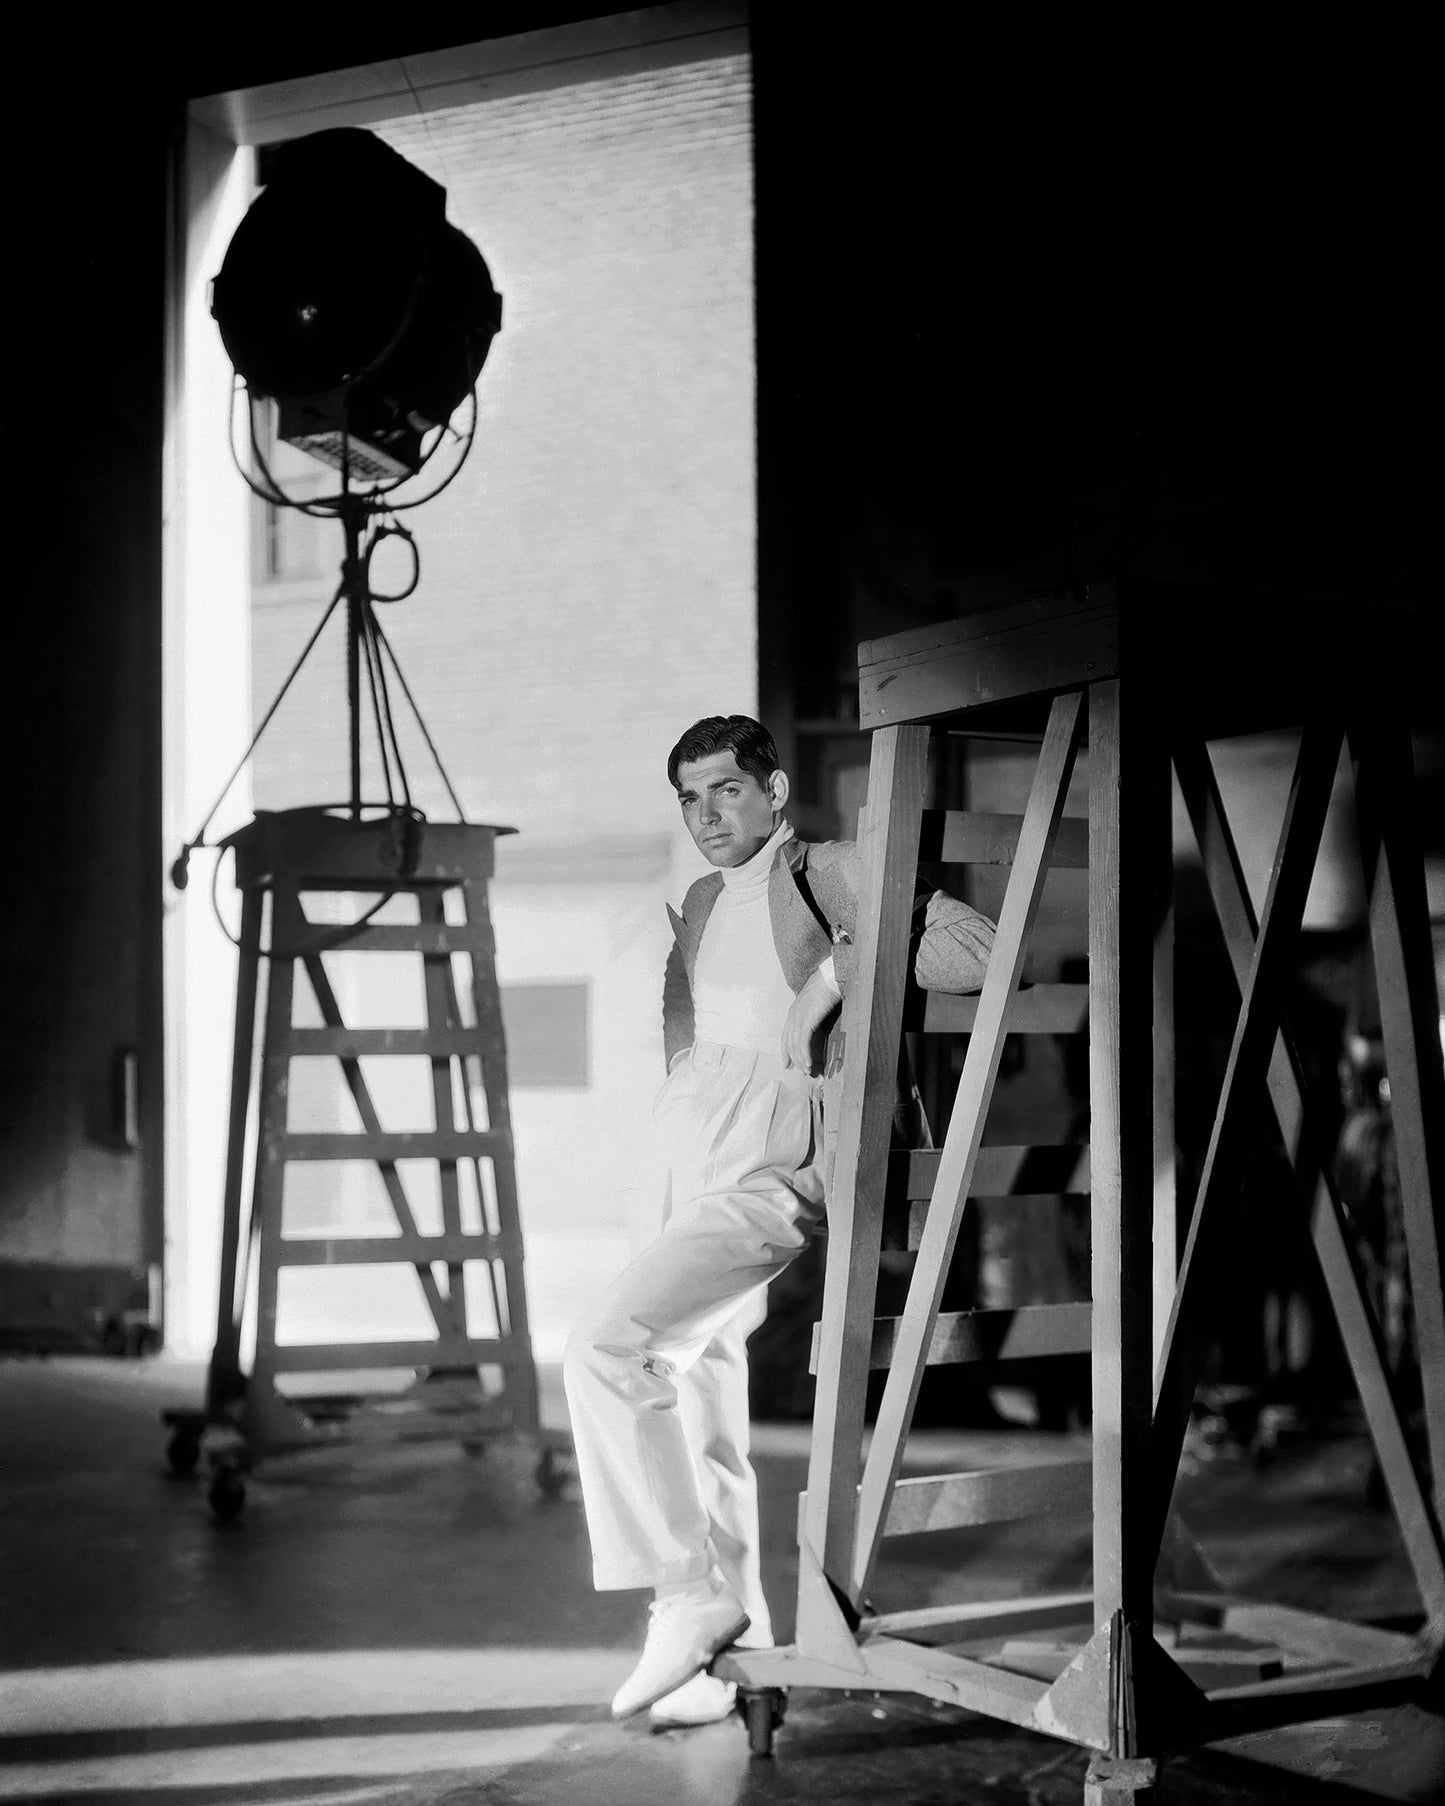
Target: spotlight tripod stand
[442,1217]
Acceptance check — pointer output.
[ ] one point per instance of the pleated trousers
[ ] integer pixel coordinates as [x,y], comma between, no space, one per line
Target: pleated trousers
[656,1372]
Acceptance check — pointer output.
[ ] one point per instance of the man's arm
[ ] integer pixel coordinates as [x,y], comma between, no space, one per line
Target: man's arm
[951,941]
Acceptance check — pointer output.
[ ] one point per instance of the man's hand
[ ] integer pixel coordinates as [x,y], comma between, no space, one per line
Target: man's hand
[812,1007]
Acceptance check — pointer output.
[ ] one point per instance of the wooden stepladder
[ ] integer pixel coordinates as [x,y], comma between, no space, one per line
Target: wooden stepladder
[1098,677]
[423,1214]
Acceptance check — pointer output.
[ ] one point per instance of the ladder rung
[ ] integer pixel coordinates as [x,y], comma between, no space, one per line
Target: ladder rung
[354,1043]
[388,1250]
[968,837]
[345,1357]
[998,1172]
[417,1144]
[960,1336]
[992,1496]
[1040,1010]
[433,938]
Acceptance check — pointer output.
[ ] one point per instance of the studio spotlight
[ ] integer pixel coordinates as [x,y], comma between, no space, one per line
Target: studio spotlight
[347,298]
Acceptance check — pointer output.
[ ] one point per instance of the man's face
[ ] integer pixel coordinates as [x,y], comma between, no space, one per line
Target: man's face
[728,812]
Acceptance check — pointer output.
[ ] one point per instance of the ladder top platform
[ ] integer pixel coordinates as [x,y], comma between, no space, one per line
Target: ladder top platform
[335,851]
[1227,661]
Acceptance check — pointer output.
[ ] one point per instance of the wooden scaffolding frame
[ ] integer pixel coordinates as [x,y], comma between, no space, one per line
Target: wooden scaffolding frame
[282,858]
[1125,673]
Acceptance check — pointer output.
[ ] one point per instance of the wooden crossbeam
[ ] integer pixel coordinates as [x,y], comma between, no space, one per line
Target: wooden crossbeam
[990,1496]
[1329,1232]
[978,1620]
[1033,1331]
[1254,1037]
[360,1043]
[997,1172]
[1040,1010]
[388,1250]
[965,1132]
[385,1146]
[345,1357]
[967,837]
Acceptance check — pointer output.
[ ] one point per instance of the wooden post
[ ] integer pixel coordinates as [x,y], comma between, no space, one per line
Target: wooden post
[1121,1085]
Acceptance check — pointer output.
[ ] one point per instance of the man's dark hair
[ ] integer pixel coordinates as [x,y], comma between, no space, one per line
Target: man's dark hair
[747,740]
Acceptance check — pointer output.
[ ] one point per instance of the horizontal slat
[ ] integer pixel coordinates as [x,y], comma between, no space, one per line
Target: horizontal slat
[433,938]
[1040,1010]
[966,837]
[354,1043]
[389,1250]
[960,1336]
[977,1619]
[998,1172]
[1036,648]
[418,1144]
[344,1357]
[993,1496]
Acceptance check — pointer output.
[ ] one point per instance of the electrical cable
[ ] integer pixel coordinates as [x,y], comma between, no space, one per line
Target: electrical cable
[387,648]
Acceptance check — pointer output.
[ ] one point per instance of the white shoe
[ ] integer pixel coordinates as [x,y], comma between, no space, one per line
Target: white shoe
[686,1629]
[702,1700]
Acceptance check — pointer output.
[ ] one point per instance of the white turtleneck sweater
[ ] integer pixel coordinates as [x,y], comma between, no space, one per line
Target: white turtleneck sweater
[740,996]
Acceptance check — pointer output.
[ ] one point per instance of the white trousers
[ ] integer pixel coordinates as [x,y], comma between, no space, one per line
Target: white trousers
[656,1371]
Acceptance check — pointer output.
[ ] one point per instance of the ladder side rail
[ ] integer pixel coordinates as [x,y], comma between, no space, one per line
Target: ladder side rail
[1409,1018]
[441,1015]
[1329,1234]
[965,1130]
[1246,1072]
[486,1002]
[224,1371]
[872,1025]
[287,922]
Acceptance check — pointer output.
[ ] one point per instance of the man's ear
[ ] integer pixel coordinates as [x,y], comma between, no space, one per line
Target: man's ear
[778,790]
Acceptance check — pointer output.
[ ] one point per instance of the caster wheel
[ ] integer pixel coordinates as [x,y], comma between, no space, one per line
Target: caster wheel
[227,1494]
[183,1451]
[762,1710]
[551,1476]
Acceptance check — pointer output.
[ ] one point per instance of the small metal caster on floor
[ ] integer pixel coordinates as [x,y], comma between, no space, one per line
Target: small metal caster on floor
[762,1710]
[227,1494]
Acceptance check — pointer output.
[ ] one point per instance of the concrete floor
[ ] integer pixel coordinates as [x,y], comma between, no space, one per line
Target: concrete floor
[407,1627]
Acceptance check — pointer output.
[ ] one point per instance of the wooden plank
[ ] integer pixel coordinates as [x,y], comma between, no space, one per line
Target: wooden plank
[383,1147]
[1124,750]
[1335,1640]
[888,861]
[1330,1234]
[976,1620]
[431,939]
[345,1357]
[1256,1033]
[1039,648]
[223,1375]
[998,1171]
[444,1017]
[1206,1667]
[1040,1010]
[1301,1698]
[387,1250]
[1019,1335]
[990,1496]
[898,1667]
[1166,1155]
[969,837]
[361,1043]
[965,1132]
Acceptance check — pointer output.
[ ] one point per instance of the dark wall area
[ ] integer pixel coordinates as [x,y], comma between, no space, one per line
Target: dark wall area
[1027,313]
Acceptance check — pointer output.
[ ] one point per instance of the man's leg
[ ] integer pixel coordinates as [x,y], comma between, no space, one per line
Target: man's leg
[753,1196]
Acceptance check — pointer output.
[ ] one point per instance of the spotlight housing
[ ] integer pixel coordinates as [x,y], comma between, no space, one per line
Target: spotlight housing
[347,298]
